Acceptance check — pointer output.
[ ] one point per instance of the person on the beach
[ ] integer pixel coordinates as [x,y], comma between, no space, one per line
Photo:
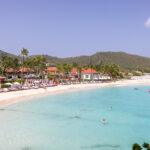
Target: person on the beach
[45,89]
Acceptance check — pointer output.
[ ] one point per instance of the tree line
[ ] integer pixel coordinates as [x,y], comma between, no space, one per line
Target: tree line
[38,64]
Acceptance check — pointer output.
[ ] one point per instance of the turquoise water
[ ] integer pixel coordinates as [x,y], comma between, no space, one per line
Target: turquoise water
[72,121]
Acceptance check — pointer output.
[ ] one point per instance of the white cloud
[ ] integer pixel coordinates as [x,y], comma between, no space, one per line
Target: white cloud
[147,23]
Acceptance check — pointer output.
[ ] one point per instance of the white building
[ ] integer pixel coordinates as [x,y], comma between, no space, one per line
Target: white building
[91,74]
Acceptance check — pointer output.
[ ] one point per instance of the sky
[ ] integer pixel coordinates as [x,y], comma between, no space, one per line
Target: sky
[66,28]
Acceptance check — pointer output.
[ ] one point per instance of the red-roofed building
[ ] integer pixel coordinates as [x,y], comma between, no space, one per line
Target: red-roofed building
[2,79]
[74,74]
[90,74]
[25,70]
[51,69]
[89,71]
[10,70]
[74,71]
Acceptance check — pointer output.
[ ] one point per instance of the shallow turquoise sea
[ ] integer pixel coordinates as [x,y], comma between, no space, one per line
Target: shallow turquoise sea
[72,121]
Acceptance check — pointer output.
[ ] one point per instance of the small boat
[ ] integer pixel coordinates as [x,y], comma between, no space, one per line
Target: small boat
[136,88]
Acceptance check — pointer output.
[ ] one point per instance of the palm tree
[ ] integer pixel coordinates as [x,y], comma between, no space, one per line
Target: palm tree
[91,66]
[114,70]
[15,65]
[105,69]
[29,63]
[6,63]
[24,53]
[49,74]
[59,69]
[39,63]
[67,68]
[79,69]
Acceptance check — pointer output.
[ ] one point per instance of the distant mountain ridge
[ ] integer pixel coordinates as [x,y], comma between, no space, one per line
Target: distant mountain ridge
[2,53]
[125,60]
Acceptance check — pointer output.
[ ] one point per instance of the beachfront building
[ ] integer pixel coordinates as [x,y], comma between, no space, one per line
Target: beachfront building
[11,73]
[74,74]
[25,70]
[54,73]
[104,77]
[90,74]
[53,70]
[2,79]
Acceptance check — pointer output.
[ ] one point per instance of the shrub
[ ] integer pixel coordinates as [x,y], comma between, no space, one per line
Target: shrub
[135,73]
[18,80]
[8,81]
[5,86]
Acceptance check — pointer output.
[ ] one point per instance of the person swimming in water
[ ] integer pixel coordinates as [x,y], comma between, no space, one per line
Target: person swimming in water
[103,121]
[110,107]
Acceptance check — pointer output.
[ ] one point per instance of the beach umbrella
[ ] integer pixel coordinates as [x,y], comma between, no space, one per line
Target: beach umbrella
[16,83]
[8,83]
[36,81]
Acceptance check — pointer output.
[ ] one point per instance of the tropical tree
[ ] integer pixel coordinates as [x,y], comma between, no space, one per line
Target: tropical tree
[29,63]
[74,65]
[79,69]
[127,72]
[98,67]
[15,65]
[114,70]
[105,69]
[24,53]
[67,68]
[49,75]
[59,69]
[39,64]
[6,63]
[0,69]
[91,66]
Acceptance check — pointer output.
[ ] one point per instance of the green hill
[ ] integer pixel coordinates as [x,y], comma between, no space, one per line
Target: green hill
[125,60]
[2,53]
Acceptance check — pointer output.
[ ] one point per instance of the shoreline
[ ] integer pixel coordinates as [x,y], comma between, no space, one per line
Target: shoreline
[8,98]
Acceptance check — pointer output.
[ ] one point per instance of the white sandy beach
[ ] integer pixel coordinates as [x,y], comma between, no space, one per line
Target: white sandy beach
[18,96]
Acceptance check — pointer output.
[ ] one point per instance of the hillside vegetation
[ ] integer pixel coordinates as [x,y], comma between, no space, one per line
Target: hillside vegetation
[124,60]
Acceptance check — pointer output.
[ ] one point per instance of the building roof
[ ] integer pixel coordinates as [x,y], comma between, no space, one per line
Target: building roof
[74,71]
[2,77]
[89,70]
[53,69]
[10,70]
[25,70]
